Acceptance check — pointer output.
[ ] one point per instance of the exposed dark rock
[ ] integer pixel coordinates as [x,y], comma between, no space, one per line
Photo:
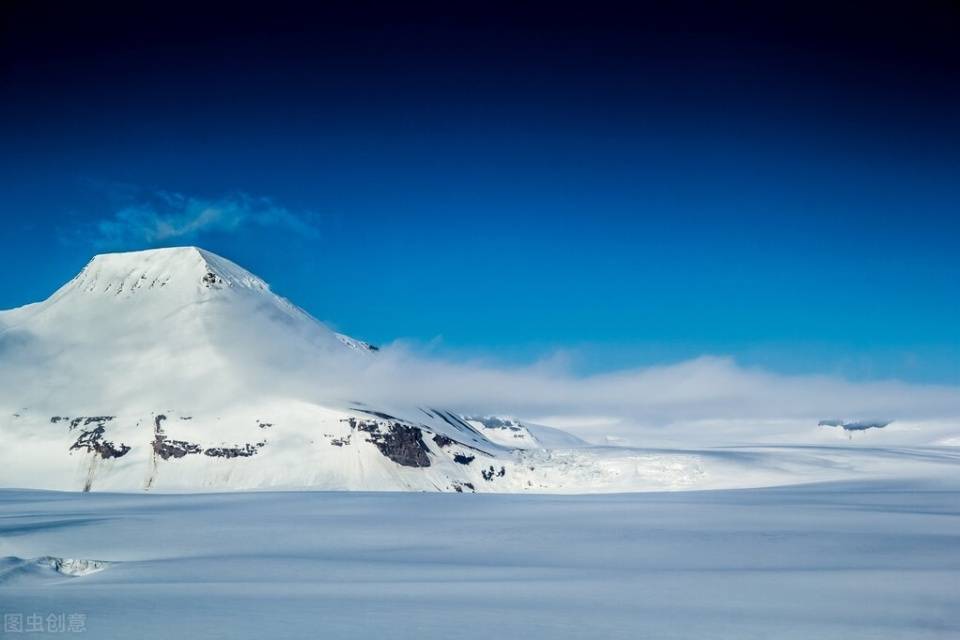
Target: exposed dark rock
[462,459]
[400,442]
[56,419]
[186,417]
[85,420]
[167,448]
[364,425]
[339,442]
[404,445]
[94,441]
[210,279]
[245,451]
[443,441]
[460,486]
[264,425]
[97,419]
[490,473]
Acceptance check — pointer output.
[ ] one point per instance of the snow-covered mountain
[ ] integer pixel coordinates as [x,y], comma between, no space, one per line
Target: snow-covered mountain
[177,370]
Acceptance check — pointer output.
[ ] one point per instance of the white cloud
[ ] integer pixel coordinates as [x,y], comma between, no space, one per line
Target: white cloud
[708,400]
[145,218]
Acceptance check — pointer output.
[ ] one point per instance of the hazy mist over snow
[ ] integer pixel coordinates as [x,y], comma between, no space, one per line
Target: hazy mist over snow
[709,400]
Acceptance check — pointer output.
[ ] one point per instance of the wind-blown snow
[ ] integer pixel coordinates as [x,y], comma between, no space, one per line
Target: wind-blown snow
[833,562]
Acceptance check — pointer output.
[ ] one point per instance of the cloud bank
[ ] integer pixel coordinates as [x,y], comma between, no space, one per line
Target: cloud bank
[705,401]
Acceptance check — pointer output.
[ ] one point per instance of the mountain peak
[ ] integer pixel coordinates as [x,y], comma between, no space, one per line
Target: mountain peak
[157,269]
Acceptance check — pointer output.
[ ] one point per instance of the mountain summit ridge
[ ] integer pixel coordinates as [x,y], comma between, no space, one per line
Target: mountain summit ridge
[138,270]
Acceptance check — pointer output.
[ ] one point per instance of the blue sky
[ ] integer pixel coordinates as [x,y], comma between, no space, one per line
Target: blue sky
[510,188]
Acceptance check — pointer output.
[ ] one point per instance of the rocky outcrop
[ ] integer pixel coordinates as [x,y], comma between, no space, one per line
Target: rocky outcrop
[167,448]
[490,473]
[443,441]
[238,451]
[402,443]
[93,440]
[340,442]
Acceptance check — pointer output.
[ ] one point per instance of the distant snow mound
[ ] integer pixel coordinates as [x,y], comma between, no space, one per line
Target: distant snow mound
[855,425]
[511,432]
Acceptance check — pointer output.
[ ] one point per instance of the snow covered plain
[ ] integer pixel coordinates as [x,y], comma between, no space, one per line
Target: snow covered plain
[835,560]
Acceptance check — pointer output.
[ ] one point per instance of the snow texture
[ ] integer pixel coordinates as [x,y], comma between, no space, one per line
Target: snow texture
[832,561]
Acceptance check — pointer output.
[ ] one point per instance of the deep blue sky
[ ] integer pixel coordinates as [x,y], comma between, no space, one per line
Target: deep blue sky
[634,186]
